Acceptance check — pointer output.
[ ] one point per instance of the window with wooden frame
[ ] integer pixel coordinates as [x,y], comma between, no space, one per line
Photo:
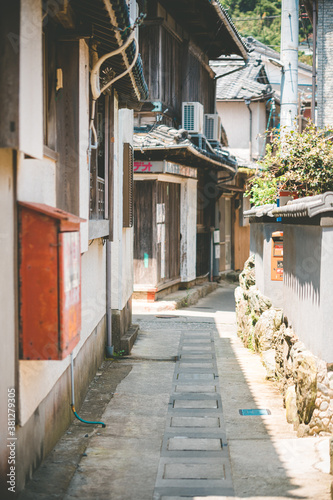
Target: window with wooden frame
[128,185]
[100,159]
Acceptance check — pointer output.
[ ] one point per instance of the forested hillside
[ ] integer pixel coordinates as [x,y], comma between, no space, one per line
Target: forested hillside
[262,19]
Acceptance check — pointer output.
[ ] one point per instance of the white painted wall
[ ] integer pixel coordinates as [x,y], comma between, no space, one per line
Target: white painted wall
[122,245]
[274,75]
[37,378]
[31,82]
[7,294]
[84,178]
[235,118]
[188,229]
[36,180]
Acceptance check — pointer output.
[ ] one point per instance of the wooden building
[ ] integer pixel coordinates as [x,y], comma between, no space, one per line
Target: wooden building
[176,169]
[48,50]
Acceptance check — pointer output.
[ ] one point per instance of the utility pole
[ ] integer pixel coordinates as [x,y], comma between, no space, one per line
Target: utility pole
[289,59]
[314,66]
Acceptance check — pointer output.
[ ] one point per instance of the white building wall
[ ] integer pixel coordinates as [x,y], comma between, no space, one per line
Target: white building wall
[235,118]
[122,245]
[188,229]
[7,295]
[36,182]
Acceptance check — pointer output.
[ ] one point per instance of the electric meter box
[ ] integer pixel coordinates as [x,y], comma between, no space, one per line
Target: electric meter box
[49,281]
[277,256]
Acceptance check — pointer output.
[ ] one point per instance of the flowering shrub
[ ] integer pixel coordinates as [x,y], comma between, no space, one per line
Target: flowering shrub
[298,162]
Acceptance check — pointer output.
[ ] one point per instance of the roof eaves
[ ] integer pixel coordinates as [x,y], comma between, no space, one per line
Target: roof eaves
[260,211]
[110,27]
[222,13]
[306,207]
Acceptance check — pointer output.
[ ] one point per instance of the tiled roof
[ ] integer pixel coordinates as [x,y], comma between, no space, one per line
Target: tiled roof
[306,207]
[209,25]
[241,84]
[261,48]
[261,211]
[109,23]
[168,143]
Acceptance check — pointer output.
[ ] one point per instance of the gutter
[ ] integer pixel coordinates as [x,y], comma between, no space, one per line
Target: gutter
[219,165]
[234,70]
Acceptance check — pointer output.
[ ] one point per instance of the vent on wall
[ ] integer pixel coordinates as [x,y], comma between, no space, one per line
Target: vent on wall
[128,186]
[213,127]
[193,117]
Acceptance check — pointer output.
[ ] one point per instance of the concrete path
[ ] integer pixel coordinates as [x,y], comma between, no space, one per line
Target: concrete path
[173,426]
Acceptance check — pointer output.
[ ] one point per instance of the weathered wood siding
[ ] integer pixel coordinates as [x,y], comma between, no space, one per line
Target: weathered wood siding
[174,74]
[241,243]
[156,232]
[144,223]
[168,251]
[68,129]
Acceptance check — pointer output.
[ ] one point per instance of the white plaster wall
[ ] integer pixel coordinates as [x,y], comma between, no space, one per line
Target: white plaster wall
[122,245]
[325,343]
[7,293]
[188,229]
[30,85]
[302,289]
[36,180]
[37,378]
[235,118]
[274,74]
[84,179]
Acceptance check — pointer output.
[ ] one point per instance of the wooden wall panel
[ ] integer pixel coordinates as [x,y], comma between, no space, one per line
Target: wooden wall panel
[68,128]
[241,243]
[9,74]
[144,221]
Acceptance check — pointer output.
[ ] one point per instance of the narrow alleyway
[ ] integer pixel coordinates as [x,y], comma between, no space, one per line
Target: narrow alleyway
[173,425]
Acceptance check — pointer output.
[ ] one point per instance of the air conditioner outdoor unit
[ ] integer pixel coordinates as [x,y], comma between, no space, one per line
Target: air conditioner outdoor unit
[193,113]
[212,128]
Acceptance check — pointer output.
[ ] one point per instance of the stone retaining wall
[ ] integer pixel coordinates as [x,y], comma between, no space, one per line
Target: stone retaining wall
[305,380]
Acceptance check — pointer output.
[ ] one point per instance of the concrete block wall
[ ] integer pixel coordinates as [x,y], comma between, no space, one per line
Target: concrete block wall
[324,71]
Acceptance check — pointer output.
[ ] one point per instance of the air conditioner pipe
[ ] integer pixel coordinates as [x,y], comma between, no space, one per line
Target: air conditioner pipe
[73,399]
[96,92]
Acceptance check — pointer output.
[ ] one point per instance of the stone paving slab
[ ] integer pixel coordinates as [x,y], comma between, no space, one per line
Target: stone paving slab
[191,388]
[195,404]
[194,455]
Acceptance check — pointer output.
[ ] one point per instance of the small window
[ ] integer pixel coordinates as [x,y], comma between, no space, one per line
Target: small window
[99,162]
[243,207]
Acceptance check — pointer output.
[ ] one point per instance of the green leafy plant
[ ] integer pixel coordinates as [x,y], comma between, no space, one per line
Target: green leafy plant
[298,162]
[118,354]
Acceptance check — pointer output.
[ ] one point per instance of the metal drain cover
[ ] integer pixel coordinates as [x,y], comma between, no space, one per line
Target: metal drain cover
[252,412]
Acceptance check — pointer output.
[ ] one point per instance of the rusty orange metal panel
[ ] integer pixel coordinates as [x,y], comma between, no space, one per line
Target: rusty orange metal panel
[277,256]
[50,282]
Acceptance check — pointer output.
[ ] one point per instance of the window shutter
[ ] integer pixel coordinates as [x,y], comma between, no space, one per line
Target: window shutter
[128,186]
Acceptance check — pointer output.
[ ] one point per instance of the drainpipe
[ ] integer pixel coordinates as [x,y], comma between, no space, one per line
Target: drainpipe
[314,73]
[109,347]
[96,92]
[248,102]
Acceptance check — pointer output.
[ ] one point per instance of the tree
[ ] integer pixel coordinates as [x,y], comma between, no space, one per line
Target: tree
[262,20]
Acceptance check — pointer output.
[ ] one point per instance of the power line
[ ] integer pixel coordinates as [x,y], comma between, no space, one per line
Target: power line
[240,19]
